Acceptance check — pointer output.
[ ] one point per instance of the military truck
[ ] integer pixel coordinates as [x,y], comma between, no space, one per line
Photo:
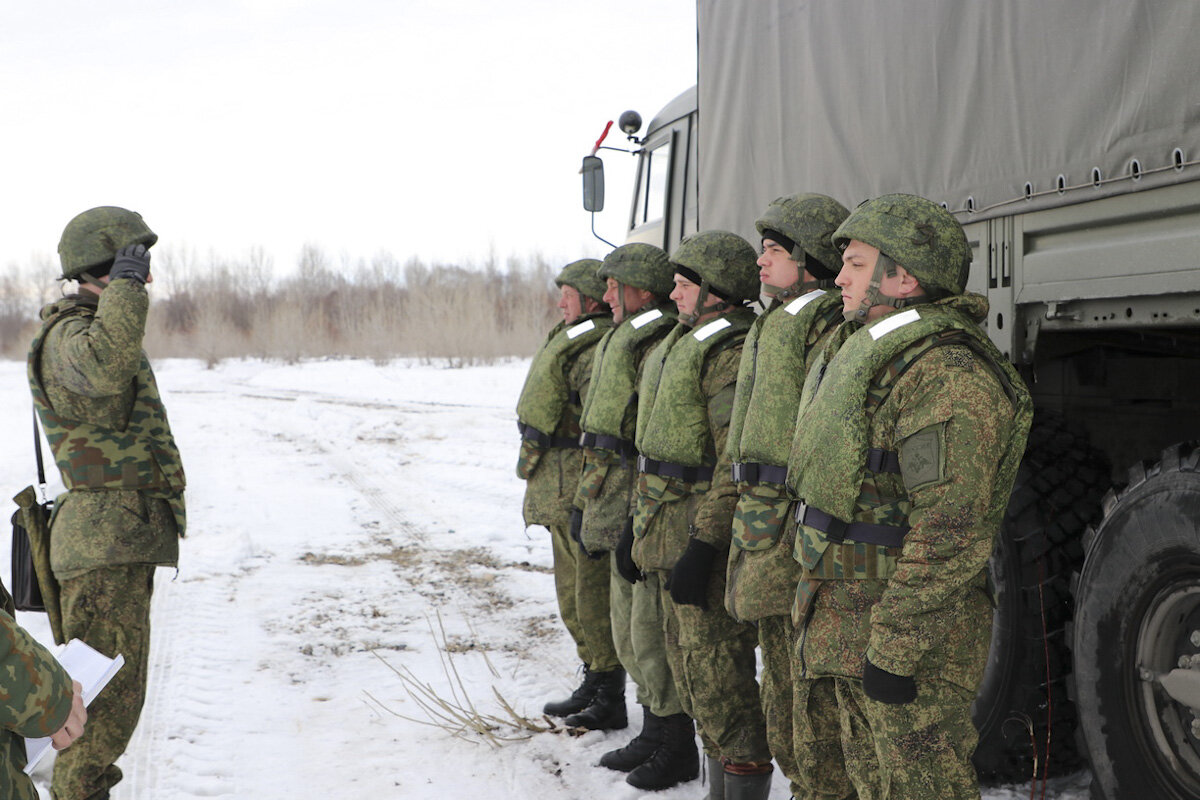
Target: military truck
[1065,137]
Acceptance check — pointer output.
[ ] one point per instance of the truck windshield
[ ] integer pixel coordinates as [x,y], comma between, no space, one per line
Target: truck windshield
[652,189]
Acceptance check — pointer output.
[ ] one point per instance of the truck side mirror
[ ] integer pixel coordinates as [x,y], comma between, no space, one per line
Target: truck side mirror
[593,183]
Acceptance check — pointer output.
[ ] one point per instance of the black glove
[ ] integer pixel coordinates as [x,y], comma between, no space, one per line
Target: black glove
[577,535]
[624,555]
[885,687]
[688,581]
[133,262]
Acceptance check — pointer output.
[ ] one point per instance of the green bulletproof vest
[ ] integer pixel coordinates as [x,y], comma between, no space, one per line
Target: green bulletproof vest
[829,457]
[771,375]
[545,395]
[141,455]
[676,430]
[611,409]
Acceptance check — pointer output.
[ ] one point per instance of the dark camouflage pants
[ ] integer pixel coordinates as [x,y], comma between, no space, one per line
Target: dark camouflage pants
[917,751]
[109,608]
[581,584]
[713,659]
[637,627]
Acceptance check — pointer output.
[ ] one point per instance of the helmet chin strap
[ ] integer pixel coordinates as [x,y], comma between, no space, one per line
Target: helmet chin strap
[884,265]
[801,286]
[699,310]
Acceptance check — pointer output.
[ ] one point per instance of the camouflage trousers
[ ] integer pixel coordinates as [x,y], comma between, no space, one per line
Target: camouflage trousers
[581,584]
[637,627]
[109,608]
[712,657]
[916,751]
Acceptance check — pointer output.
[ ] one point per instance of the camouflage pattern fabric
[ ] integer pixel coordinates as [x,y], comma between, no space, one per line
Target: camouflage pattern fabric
[637,626]
[713,660]
[930,618]
[545,396]
[581,586]
[817,735]
[697,394]
[35,700]
[109,609]
[98,400]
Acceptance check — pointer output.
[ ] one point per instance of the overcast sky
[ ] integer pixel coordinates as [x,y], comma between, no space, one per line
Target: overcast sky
[442,129]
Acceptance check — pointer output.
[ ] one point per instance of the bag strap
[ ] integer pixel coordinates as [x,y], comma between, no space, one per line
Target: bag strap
[37,449]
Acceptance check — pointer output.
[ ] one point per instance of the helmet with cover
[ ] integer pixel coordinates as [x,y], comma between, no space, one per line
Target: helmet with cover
[916,234]
[581,275]
[722,263]
[805,223]
[640,265]
[91,240]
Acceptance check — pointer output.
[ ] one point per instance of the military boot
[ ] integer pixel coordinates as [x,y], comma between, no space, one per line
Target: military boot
[716,778]
[676,759]
[607,711]
[579,699]
[640,747]
[747,781]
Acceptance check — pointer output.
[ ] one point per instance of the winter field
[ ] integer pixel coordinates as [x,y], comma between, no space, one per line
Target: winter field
[355,558]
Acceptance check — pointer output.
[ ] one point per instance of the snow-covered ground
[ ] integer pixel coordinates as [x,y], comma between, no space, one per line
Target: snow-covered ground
[354,530]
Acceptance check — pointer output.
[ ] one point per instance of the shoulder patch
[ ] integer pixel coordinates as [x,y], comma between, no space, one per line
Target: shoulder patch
[708,330]
[642,320]
[922,461]
[893,322]
[794,307]
[581,329]
[958,357]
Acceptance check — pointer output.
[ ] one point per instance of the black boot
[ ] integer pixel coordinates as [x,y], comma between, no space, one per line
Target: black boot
[579,699]
[640,747]
[675,761]
[607,711]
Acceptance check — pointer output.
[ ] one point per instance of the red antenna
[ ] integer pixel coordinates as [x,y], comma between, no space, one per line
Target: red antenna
[600,141]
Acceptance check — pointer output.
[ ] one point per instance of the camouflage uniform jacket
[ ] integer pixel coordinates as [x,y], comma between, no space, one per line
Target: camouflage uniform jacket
[927,385]
[36,700]
[762,574]
[548,414]
[99,404]
[609,423]
[684,405]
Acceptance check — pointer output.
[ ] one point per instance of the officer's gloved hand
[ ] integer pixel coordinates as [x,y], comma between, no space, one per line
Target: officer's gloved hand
[624,555]
[577,527]
[133,262]
[688,581]
[886,687]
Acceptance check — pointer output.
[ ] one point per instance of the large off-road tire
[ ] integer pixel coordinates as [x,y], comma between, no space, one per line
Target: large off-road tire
[1025,717]
[1138,617]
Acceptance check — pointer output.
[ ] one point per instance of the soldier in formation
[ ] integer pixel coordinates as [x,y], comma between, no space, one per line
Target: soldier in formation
[797,265]
[639,282]
[910,429]
[684,505]
[123,512]
[550,460]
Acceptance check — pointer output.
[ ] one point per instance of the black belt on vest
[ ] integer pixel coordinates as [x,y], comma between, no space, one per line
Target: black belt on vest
[544,439]
[879,460]
[758,473]
[837,531]
[668,470]
[603,441]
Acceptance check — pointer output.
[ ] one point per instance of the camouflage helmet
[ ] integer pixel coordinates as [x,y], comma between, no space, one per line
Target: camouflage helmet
[581,275]
[809,220]
[94,237]
[724,261]
[915,233]
[640,265]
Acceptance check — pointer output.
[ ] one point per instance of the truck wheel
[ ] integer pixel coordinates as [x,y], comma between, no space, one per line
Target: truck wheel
[1139,618]
[1025,717]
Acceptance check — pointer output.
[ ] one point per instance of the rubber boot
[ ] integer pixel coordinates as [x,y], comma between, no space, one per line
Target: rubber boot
[716,778]
[607,711]
[579,699]
[640,747]
[676,760]
[748,781]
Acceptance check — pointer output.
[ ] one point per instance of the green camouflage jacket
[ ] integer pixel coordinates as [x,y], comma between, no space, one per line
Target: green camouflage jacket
[551,401]
[762,575]
[99,404]
[35,700]
[605,491]
[935,392]
[684,407]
